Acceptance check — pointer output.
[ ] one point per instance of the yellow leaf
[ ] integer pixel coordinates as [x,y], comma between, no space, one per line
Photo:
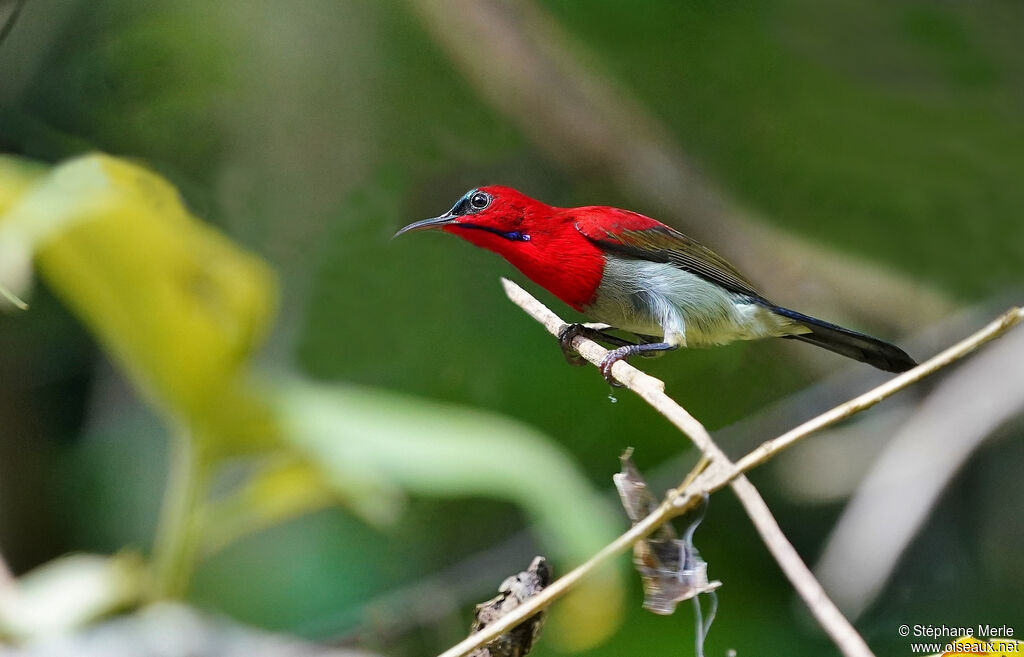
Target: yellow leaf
[179,306]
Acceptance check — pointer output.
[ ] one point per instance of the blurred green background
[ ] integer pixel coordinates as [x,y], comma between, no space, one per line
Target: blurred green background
[887,133]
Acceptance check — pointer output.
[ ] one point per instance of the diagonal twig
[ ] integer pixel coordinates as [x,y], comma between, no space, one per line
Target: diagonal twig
[721,472]
[671,507]
[904,484]
[653,391]
[997,327]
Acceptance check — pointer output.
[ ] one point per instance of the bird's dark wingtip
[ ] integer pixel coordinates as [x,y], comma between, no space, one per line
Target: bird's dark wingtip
[895,360]
[852,344]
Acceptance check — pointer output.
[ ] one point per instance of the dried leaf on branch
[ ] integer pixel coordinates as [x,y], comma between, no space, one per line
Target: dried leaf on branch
[518,641]
[672,568]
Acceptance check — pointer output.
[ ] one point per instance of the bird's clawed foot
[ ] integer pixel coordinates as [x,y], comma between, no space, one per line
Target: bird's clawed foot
[615,355]
[568,333]
[624,349]
[612,357]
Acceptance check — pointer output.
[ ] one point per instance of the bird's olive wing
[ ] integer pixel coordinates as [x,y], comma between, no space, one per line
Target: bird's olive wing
[661,243]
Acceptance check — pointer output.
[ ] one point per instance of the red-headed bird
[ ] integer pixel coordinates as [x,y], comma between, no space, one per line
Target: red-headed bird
[640,276]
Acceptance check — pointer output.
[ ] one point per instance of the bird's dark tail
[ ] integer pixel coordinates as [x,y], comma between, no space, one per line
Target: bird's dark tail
[851,344]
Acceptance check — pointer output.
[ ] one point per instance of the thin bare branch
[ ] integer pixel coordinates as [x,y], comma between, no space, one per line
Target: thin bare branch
[800,576]
[465,579]
[900,491]
[719,473]
[1000,325]
[652,391]
[668,509]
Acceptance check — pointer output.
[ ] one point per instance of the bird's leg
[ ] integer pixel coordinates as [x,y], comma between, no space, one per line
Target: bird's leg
[570,331]
[647,339]
[616,355]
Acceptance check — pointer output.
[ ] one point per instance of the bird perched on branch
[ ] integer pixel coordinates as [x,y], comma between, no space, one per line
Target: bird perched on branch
[635,274]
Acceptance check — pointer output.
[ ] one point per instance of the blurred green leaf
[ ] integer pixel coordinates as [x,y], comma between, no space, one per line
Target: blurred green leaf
[362,435]
[177,304]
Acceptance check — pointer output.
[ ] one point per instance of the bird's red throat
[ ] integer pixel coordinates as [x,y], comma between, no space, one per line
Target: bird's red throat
[556,257]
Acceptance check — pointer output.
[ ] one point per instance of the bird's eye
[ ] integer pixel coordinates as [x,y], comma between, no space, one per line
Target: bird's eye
[480,200]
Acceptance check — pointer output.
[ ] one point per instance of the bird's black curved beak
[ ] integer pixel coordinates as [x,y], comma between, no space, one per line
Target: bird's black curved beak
[425,224]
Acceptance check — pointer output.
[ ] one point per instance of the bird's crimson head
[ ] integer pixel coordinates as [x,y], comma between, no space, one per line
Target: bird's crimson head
[494,217]
[540,240]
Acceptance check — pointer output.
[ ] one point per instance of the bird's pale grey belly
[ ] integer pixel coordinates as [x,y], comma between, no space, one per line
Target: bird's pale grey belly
[659,299]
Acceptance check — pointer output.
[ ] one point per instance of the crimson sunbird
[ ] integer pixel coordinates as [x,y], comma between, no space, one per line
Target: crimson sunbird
[633,273]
